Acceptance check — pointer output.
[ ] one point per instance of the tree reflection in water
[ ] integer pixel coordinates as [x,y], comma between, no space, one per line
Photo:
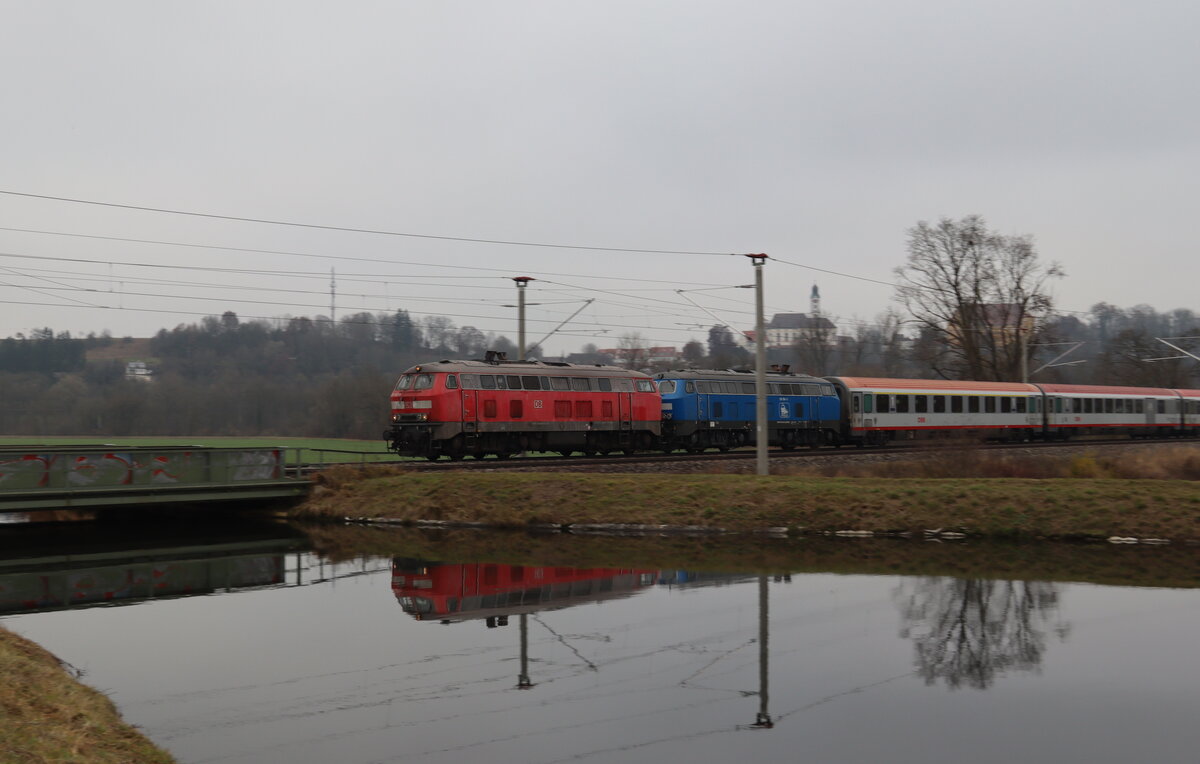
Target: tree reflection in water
[967,631]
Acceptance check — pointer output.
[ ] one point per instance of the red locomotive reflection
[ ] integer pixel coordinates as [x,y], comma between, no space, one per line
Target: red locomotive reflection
[464,591]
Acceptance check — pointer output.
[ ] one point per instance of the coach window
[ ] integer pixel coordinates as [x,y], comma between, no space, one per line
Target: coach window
[1162,407]
[1108,405]
[1006,406]
[1128,405]
[1139,406]
[487,382]
[956,404]
[666,386]
[645,386]
[1077,405]
[1120,404]
[560,383]
[516,408]
[530,383]
[901,404]
[489,409]
[451,382]
[1058,405]
[922,402]
[1021,405]
[605,384]
[972,404]
[989,404]
[939,404]
[1088,406]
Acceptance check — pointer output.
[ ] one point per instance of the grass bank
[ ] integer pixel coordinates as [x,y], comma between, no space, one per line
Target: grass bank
[49,716]
[999,507]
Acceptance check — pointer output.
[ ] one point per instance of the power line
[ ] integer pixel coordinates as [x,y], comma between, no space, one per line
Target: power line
[349,229]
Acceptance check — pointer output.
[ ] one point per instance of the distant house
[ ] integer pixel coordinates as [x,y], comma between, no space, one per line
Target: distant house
[137,370]
[785,329]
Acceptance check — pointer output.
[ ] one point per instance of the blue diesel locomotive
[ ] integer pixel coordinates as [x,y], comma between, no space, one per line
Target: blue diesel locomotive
[709,408]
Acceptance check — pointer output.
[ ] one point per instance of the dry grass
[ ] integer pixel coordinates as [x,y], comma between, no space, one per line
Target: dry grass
[1161,463]
[47,716]
[993,507]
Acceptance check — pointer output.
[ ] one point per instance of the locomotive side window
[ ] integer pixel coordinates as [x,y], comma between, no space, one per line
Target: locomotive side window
[579,384]
[451,382]
[501,382]
[664,386]
[423,382]
[530,383]
[811,389]
[922,402]
[645,386]
[827,390]
[689,387]
[748,388]
[470,381]
[623,385]
[972,404]
[560,383]
[487,382]
[516,408]
[773,388]
[605,384]
[514,381]
[939,404]
[545,382]
[956,402]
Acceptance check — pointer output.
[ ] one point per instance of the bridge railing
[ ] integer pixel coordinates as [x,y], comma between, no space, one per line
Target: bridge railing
[70,468]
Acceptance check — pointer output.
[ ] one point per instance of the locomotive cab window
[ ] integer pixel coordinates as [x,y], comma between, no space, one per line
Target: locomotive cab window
[689,387]
[404,382]
[645,386]
[664,386]
[451,382]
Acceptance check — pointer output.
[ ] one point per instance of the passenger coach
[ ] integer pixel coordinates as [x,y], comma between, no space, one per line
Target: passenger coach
[876,411]
[501,407]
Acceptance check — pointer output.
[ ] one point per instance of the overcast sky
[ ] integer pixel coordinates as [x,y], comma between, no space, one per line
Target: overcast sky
[814,132]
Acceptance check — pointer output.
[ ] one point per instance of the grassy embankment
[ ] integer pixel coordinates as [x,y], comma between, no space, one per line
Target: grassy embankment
[1079,497]
[46,715]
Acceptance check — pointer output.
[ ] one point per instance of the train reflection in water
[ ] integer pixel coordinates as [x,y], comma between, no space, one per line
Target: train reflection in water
[453,592]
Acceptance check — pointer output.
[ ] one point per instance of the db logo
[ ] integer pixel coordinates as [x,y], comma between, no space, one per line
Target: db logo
[537,404]
[920,420]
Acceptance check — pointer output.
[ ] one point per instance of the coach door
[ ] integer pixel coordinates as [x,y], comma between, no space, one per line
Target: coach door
[625,405]
[468,410]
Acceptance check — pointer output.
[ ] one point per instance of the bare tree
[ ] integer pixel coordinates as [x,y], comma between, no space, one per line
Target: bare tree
[633,350]
[981,292]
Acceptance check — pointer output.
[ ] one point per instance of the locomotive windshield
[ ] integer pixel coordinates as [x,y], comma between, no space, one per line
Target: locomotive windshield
[666,386]
[423,382]
[404,382]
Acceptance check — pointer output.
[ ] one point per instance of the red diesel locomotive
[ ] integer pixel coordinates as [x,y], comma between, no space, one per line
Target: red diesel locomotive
[502,407]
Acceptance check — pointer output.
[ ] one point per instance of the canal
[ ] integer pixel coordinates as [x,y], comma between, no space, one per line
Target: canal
[273,643]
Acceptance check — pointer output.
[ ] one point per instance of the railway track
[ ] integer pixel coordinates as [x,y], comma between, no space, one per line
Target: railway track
[776,455]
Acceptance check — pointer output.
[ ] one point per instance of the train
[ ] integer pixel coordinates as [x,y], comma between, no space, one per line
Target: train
[500,408]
